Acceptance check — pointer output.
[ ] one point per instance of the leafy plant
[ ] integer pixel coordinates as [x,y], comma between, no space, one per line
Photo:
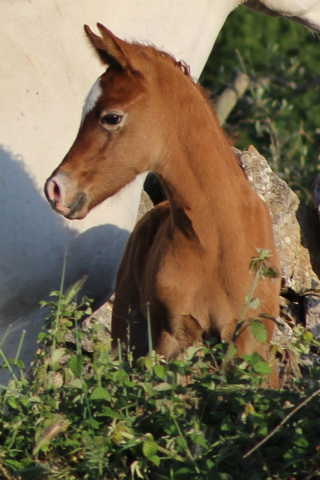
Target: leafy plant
[89,415]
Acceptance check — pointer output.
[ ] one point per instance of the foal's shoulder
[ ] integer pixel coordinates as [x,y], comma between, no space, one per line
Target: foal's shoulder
[145,232]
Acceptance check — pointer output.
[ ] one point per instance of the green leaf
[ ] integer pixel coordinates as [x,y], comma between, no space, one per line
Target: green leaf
[162,387]
[42,336]
[148,362]
[92,423]
[301,441]
[13,464]
[108,412]
[155,459]
[160,371]
[18,363]
[12,402]
[100,393]
[76,365]
[258,364]
[259,331]
[308,336]
[149,446]
[184,473]
[75,383]
[199,439]
[56,356]
[120,375]
[262,367]
[209,464]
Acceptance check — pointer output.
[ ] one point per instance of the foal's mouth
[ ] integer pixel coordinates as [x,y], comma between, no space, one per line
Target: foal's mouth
[76,207]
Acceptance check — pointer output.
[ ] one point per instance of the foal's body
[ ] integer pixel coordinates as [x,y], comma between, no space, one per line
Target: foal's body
[188,259]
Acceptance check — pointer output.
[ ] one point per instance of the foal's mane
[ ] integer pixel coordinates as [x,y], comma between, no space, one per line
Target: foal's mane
[180,64]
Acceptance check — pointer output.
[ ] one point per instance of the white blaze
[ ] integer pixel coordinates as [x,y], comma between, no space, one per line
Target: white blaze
[92,98]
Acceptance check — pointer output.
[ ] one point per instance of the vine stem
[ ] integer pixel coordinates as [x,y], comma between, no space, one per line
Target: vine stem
[186,445]
[283,421]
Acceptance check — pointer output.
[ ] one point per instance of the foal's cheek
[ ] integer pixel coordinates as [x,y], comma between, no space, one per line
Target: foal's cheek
[153,150]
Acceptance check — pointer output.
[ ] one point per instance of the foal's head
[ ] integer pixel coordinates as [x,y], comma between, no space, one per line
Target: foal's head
[124,128]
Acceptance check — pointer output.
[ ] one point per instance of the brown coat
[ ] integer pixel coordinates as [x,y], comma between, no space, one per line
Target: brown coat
[187,263]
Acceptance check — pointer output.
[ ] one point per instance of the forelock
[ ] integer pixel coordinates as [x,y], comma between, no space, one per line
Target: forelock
[92,98]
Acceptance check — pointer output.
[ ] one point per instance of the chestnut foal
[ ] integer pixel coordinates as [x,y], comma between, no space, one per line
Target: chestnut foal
[187,261]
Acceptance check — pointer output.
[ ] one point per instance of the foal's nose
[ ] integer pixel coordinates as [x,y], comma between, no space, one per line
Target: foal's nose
[54,192]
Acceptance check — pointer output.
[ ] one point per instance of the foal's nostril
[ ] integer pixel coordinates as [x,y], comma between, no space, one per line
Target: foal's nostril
[56,191]
[53,191]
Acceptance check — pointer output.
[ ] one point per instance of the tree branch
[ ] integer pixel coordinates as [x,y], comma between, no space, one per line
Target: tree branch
[228,99]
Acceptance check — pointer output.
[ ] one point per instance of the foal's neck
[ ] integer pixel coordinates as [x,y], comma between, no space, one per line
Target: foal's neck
[202,177]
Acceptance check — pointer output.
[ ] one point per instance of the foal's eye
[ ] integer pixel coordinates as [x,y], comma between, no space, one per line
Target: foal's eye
[111,119]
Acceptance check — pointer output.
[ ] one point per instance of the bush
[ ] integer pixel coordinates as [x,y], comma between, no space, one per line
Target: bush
[90,416]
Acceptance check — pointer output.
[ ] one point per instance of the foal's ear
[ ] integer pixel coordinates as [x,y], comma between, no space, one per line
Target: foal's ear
[109,48]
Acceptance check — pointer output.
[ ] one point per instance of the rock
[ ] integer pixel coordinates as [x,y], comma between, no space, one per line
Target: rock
[290,311]
[312,314]
[282,332]
[145,204]
[101,315]
[297,236]
[97,324]
[296,226]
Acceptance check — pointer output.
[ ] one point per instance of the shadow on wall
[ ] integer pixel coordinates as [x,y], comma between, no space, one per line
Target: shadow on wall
[33,241]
